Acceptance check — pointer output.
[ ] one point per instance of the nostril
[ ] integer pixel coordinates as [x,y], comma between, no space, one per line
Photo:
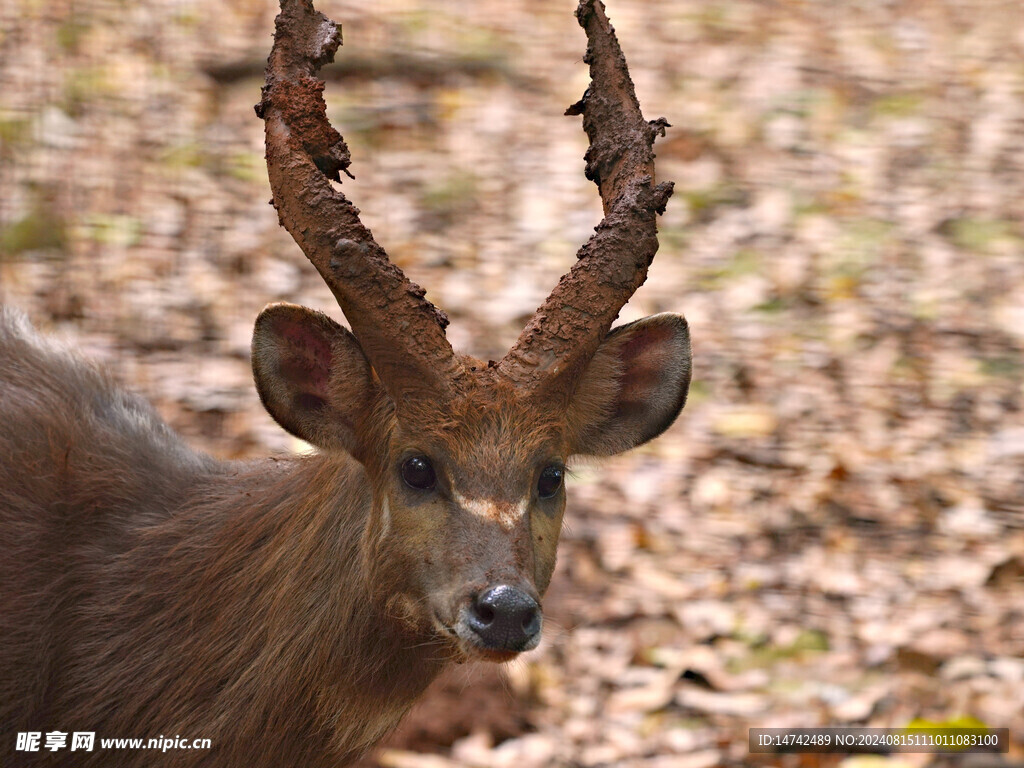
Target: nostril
[485,613]
[531,622]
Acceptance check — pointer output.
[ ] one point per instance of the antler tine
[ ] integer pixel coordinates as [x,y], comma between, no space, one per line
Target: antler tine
[565,332]
[400,331]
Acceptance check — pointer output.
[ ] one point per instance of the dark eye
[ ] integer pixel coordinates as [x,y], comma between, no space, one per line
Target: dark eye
[550,481]
[418,473]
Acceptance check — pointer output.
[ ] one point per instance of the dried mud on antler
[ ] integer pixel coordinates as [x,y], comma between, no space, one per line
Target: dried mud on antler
[566,330]
[304,154]
[410,350]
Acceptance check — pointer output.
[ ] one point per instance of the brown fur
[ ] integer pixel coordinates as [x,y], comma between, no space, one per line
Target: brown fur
[289,610]
[149,590]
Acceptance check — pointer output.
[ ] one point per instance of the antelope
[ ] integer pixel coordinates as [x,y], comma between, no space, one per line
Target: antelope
[292,609]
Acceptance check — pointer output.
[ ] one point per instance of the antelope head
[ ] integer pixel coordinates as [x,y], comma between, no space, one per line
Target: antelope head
[465,458]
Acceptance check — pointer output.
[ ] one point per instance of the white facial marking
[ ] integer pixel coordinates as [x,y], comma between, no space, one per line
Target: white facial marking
[503,513]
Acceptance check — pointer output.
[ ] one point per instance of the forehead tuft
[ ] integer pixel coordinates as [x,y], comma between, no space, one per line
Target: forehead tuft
[508,431]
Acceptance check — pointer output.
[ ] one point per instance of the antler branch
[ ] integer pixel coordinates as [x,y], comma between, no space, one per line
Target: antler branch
[400,331]
[567,329]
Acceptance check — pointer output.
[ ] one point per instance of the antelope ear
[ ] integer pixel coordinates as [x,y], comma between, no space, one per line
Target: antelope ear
[633,388]
[312,376]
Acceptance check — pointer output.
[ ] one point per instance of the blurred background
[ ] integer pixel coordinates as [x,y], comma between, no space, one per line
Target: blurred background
[832,533]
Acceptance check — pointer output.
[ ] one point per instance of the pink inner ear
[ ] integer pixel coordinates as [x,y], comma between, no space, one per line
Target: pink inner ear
[645,358]
[305,356]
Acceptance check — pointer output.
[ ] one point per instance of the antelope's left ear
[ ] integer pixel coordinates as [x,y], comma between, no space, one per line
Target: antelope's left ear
[633,388]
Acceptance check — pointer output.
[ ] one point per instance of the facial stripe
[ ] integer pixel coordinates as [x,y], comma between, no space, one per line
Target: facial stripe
[385,518]
[504,513]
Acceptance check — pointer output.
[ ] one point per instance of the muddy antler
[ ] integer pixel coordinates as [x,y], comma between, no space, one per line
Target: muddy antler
[400,331]
[565,332]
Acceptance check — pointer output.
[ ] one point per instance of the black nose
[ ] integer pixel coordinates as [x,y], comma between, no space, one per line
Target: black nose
[505,618]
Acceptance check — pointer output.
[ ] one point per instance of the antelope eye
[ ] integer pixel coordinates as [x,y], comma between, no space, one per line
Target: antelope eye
[418,473]
[550,481]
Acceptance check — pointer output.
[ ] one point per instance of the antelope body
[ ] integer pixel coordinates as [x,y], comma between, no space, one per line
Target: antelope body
[292,610]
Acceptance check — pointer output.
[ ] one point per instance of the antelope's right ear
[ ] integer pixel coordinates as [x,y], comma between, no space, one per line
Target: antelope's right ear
[312,376]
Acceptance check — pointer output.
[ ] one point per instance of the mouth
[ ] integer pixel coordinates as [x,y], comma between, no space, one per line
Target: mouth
[469,647]
[496,657]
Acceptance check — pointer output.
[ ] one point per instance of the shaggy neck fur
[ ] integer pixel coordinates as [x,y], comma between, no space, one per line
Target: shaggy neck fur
[243,619]
[152,591]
